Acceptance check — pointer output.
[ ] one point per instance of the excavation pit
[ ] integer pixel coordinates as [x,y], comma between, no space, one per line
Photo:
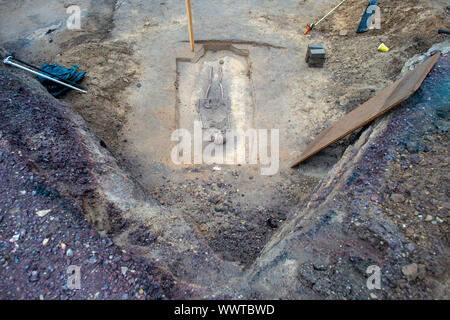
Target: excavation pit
[226,87]
[213,223]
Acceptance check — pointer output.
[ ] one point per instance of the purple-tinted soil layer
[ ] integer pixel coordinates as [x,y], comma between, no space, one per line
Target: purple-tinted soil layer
[43,166]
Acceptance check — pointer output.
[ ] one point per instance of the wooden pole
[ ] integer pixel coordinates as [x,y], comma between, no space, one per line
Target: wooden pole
[191,29]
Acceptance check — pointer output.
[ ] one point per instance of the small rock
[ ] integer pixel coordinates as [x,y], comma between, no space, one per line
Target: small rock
[63,246]
[446,205]
[410,271]
[428,218]
[124,270]
[320,267]
[393,244]
[42,213]
[69,252]
[15,238]
[46,240]
[373,296]
[92,260]
[410,247]
[415,159]
[343,101]
[215,199]
[398,198]
[412,147]
[141,292]
[272,223]
[34,276]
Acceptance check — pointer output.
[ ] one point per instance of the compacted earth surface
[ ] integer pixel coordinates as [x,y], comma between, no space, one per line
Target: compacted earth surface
[239,234]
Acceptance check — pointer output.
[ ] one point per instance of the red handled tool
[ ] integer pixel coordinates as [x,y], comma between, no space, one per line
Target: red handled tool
[309,27]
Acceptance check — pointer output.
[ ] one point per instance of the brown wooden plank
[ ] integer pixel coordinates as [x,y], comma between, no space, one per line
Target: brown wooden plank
[384,101]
